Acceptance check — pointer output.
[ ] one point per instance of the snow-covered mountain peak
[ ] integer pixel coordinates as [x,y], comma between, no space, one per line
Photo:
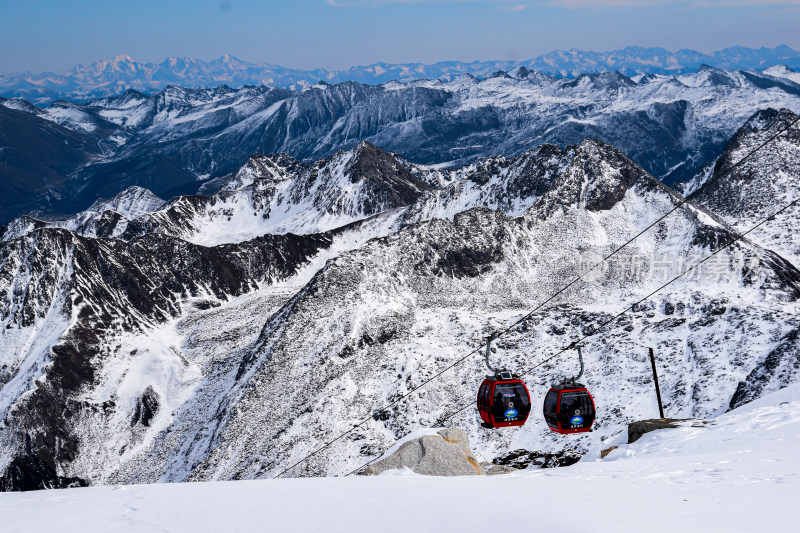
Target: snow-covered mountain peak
[129,98]
[106,218]
[121,64]
[772,119]
[251,349]
[500,74]
[596,178]
[132,202]
[784,72]
[604,81]
[759,185]
[19,104]
[121,58]
[321,85]
[274,167]
[368,163]
[707,76]
[228,60]
[531,76]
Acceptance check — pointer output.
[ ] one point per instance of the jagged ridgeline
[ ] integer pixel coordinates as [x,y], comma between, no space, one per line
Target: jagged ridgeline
[109,77]
[227,335]
[66,156]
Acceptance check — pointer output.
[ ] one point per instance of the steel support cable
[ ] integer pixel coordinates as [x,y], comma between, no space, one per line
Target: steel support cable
[677,206]
[611,320]
[374,413]
[662,217]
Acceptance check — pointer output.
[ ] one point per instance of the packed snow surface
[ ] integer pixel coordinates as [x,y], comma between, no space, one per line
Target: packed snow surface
[738,472]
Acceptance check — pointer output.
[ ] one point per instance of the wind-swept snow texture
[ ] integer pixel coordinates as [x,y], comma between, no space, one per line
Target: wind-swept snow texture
[170,360]
[174,140]
[738,472]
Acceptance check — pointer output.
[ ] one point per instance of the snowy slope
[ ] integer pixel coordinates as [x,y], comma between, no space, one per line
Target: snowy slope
[739,473]
[389,313]
[186,362]
[781,71]
[760,185]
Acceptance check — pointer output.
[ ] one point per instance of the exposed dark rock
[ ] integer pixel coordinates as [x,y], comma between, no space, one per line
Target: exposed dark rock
[146,408]
[27,472]
[598,176]
[641,427]
[521,459]
[780,367]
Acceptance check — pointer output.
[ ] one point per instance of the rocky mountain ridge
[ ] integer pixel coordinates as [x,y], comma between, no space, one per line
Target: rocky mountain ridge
[277,194]
[179,139]
[148,358]
[761,184]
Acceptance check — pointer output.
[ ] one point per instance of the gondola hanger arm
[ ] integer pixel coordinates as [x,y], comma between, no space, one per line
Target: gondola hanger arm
[492,336]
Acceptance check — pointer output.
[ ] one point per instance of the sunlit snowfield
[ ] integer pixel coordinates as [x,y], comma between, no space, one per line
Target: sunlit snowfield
[741,472]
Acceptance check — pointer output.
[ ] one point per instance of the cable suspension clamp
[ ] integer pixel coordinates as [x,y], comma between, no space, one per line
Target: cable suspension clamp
[575,345]
[489,349]
[580,358]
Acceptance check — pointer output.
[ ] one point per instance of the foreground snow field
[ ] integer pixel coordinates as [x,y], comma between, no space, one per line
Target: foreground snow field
[741,472]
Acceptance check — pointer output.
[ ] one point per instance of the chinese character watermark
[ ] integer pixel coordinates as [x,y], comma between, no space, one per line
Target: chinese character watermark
[722,267]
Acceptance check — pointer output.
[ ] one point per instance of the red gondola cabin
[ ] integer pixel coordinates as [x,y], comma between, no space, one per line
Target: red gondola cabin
[503,401]
[569,408]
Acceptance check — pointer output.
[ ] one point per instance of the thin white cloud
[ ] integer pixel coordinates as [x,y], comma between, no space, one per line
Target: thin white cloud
[515,8]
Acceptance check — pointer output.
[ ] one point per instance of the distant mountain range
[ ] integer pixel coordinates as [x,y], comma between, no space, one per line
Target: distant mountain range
[68,155]
[115,76]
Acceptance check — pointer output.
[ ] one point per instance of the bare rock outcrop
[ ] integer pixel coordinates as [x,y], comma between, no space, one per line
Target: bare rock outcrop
[445,454]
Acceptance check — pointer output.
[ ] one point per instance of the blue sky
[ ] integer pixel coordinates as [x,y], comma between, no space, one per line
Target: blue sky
[55,35]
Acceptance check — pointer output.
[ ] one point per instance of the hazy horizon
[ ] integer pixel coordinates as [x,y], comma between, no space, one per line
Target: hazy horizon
[246,60]
[52,36]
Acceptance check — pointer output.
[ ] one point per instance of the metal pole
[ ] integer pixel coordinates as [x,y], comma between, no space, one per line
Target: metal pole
[655,380]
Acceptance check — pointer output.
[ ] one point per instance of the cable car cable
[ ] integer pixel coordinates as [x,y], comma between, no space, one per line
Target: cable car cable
[607,322]
[665,215]
[680,204]
[379,411]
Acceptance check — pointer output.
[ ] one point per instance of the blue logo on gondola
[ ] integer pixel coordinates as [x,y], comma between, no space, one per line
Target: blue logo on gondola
[576,420]
[511,413]
[509,395]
